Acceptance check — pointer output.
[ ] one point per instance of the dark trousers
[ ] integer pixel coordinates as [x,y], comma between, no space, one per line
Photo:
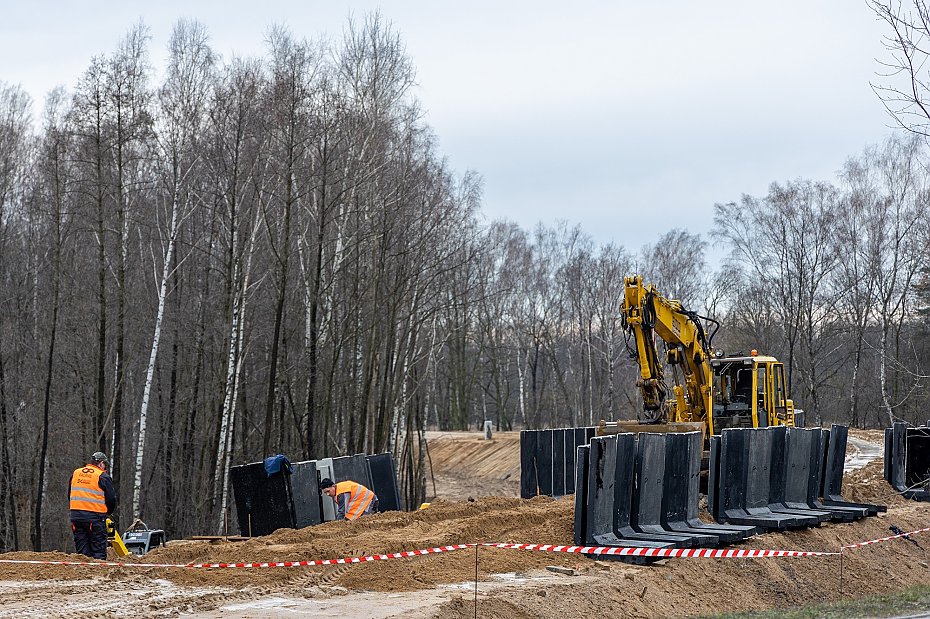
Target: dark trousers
[90,538]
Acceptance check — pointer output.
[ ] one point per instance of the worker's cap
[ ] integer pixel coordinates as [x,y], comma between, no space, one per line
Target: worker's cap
[325,483]
[99,456]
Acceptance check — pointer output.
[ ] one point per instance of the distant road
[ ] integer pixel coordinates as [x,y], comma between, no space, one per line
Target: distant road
[860,452]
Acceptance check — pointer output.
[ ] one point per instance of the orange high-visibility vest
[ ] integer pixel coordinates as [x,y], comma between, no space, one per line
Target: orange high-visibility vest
[360,498]
[86,494]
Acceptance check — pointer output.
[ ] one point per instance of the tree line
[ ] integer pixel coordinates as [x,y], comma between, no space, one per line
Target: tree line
[271,255]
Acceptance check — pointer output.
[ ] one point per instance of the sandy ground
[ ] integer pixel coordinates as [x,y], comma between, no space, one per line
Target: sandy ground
[465,465]
[512,583]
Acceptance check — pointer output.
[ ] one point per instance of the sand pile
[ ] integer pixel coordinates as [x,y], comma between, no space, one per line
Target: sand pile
[673,588]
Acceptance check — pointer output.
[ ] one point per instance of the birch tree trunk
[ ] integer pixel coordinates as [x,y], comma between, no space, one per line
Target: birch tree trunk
[233,368]
[153,355]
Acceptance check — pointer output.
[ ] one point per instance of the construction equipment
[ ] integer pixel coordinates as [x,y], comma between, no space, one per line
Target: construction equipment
[710,391]
[116,542]
[139,538]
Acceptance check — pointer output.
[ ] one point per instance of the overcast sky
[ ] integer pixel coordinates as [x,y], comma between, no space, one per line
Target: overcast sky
[628,118]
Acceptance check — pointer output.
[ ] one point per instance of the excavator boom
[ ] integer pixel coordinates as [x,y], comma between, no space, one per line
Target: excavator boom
[648,315]
[708,391]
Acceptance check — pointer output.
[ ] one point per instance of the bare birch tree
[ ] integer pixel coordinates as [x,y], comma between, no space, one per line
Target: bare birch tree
[182,100]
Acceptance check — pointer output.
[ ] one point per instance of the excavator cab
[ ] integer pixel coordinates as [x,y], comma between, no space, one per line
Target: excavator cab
[750,393]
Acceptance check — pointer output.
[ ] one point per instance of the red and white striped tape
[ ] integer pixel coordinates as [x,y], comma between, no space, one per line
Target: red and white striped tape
[885,539]
[706,553]
[349,560]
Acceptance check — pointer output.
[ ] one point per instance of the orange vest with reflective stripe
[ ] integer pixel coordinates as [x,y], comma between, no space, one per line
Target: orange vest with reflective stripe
[360,498]
[86,493]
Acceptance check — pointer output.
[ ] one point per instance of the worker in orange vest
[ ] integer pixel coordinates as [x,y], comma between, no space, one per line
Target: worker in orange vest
[352,498]
[93,497]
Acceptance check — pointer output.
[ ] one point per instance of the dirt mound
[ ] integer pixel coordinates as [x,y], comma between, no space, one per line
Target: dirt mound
[672,588]
[444,523]
[677,587]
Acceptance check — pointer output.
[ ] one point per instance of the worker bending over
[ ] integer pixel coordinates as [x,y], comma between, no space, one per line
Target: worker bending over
[92,497]
[352,498]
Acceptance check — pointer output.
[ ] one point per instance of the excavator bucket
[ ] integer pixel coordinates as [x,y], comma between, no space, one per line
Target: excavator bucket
[606,428]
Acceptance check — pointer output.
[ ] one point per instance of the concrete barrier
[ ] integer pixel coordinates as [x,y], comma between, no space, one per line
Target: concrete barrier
[569,460]
[683,452]
[765,463]
[558,462]
[779,481]
[802,475]
[547,460]
[305,494]
[833,472]
[907,460]
[581,498]
[741,477]
[917,462]
[609,493]
[529,481]
[544,462]
[650,493]
[353,468]
[818,466]
[264,503]
[384,482]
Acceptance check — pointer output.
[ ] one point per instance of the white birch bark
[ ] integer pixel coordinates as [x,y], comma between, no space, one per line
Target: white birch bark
[233,368]
[883,374]
[227,395]
[153,355]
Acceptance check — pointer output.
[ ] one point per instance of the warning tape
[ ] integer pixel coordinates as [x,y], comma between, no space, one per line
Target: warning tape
[632,551]
[707,553]
[885,539]
[349,560]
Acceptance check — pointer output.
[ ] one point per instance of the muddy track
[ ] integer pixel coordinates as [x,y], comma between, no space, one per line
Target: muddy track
[100,598]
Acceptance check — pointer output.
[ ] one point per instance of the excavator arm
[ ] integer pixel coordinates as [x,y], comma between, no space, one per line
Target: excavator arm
[648,315]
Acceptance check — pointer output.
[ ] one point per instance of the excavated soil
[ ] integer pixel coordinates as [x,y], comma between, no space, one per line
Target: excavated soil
[465,465]
[513,583]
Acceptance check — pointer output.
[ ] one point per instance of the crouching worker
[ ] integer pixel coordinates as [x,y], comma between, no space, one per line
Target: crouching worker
[352,498]
[92,498]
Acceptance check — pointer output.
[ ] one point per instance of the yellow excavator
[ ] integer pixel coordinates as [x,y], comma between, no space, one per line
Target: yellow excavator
[709,391]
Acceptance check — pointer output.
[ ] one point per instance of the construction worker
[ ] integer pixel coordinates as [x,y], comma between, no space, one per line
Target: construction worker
[352,498]
[92,499]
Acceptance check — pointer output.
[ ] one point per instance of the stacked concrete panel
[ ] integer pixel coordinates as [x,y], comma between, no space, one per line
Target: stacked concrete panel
[607,508]
[683,452]
[384,482]
[802,475]
[292,499]
[819,446]
[264,503]
[637,488]
[305,490]
[907,460]
[774,478]
[353,468]
[834,461]
[650,492]
[548,460]
[779,481]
